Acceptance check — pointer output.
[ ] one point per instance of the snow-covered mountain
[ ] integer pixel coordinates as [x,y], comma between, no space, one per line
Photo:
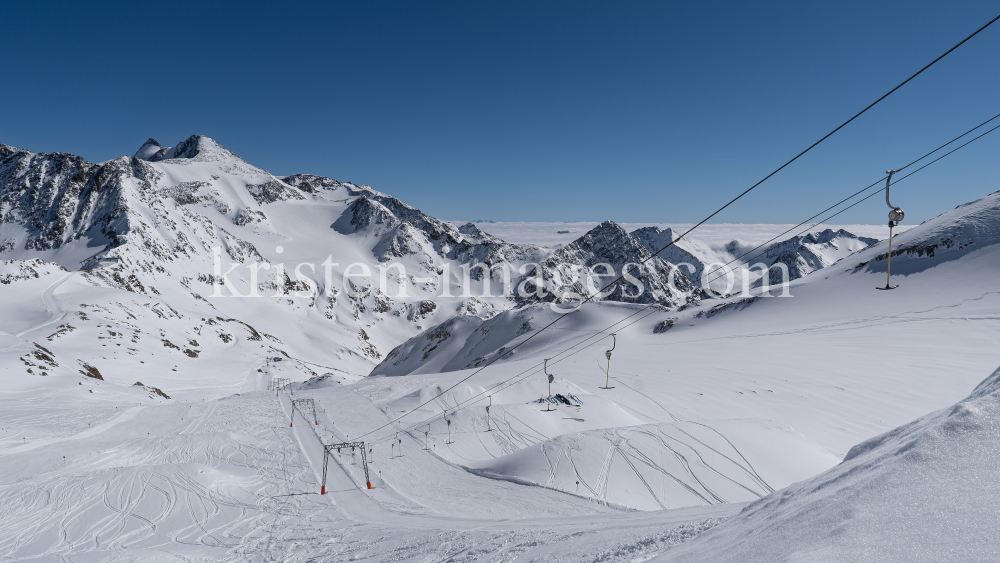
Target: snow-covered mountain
[584,266]
[807,253]
[148,226]
[800,254]
[112,303]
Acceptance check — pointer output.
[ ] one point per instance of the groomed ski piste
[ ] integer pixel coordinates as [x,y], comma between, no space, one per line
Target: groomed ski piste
[835,424]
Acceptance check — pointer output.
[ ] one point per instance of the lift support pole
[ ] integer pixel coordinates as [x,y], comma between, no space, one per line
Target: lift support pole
[327,448]
[301,405]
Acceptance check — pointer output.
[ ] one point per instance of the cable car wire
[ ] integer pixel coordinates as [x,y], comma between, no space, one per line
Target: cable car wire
[535,368]
[855,194]
[873,194]
[700,223]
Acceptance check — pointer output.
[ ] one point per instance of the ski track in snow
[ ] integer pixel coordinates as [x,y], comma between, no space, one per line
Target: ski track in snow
[88,475]
[50,303]
[752,473]
[878,320]
[232,483]
[123,417]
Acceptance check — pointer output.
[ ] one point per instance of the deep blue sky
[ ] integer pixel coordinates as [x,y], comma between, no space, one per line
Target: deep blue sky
[535,111]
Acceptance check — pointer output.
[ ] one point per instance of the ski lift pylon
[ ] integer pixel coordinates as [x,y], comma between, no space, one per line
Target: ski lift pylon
[895,216]
[489,427]
[607,354]
[551,378]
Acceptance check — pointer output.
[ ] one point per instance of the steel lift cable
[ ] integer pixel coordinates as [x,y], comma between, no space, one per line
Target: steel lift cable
[534,369]
[706,219]
[796,157]
[758,247]
[855,194]
[869,196]
[537,368]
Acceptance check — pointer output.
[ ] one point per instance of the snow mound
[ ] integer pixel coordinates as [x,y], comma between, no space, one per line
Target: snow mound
[666,465]
[462,342]
[320,382]
[926,491]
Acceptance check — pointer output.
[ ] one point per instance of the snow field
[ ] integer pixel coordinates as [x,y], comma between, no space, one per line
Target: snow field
[925,491]
[715,404]
[230,480]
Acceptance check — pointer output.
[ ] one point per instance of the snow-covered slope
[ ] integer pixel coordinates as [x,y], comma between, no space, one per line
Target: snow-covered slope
[464,341]
[149,232]
[110,302]
[947,237]
[926,491]
[665,465]
[141,233]
[835,363]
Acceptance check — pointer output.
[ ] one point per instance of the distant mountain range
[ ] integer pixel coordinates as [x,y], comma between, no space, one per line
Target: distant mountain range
[145,229]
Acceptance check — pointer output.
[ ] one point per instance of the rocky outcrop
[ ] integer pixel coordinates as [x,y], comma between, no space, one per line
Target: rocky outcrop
[588,264]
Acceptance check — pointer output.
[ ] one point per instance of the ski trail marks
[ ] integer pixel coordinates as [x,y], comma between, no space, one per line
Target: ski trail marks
[123,417]
[50,303]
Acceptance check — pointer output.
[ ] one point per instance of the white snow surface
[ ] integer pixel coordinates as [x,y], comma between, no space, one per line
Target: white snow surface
[926,491]
[714,404]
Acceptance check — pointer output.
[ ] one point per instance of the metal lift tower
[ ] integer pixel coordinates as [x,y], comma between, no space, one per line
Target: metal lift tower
[327,448]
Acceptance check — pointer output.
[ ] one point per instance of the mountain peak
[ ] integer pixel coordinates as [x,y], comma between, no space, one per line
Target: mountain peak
[475,235]
[148,149]
[609,226]
[198,148]
[364,214]
[608,235]
[196,145]
[662,237]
